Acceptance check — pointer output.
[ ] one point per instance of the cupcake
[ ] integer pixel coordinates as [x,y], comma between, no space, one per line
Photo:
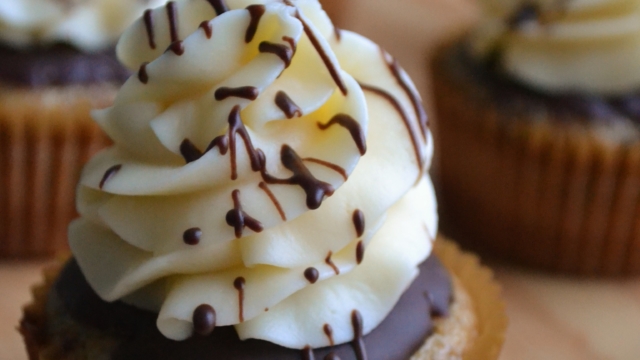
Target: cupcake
[57,61]
[265,197]
[538,135]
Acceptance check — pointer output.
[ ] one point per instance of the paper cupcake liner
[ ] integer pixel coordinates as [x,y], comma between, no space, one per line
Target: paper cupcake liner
[542,193]
[46,136]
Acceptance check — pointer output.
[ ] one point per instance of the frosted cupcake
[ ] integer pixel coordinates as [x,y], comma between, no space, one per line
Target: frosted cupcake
[538,125]
[57,61]
[265,197]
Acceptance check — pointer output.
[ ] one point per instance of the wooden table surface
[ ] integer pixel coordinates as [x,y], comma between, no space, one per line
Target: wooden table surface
[550,317]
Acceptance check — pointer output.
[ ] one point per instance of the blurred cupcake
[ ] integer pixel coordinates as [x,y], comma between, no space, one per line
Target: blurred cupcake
[57,61]
[538,125]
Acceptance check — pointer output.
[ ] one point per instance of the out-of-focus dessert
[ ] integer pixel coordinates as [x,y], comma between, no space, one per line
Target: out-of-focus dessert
[265,197]
[538,126]
[57,61]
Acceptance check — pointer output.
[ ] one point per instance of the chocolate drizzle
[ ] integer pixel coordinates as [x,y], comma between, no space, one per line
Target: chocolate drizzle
[288,107]
[111,172]
[413,96]
[220,6]
[328,330]
[350,124]
[204,320]
[189,151]
[172,14]
[307,353]
[142,73]
[256,12]
[359,252]
[358,343]
[148,24]
[239,219]
[239,283]
[256,156]
[192,236]
[331,166]
[325,57]
[282,51]
[243,92]
[417,147]
[292,43]
[208,28]
[221,142]
[273,198]
[358,222]
[315,189]
[329,262]
[311,274]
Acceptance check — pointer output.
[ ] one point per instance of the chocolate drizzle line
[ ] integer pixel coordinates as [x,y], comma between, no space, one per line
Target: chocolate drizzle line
[239,219]
[208,28]
[307,353]
[358,222]
[417,147]
[222,142]
[359,252]
[358,343]
[328,330]
[256,12]
[204,320]
[330,263]
[189,151]
[350,124]
[239,283]
[148,24]
[142,73]
[282,51]
[112,171]
[256,156]
[331,166]
[415,99]
[315,189]
[220,6]
[192,236]
[288,107]
[172,14]
[273,198]
[291,41]
[325,57]
[243,92]
[311,274]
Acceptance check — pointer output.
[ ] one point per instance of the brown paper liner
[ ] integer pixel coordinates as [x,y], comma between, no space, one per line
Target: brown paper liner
[548,194]
[474,329]
[46,136]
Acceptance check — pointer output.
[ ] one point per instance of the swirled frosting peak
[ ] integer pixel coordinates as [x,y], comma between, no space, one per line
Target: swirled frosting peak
[267,172]
[584,46]
[87,24]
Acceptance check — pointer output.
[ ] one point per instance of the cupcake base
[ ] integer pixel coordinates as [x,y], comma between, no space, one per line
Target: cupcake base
[525,178]
[474,328]
[46,136]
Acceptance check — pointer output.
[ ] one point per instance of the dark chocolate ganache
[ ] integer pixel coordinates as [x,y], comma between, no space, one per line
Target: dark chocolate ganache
[514,95]
[58,65]
[398,337]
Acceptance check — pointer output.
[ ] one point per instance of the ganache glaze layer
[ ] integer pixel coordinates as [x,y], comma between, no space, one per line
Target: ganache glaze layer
[396,338]
[513,95]
[59,65]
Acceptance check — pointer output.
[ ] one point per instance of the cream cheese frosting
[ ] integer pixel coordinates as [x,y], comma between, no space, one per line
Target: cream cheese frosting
[268,170]
[89,25]
[586,46]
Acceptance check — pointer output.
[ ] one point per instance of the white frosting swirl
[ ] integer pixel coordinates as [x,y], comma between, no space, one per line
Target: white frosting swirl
[586,46]
[139,197]
[89,25]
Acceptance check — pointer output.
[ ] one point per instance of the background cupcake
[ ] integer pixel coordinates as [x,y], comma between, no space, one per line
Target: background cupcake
[538,126]
[57,61]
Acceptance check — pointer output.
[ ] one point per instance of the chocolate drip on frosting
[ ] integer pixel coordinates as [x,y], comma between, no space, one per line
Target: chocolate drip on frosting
[358,222]
[328,330]
[288,107]
[311,274]
[350,124]
[111,172]
[239,284]
[279,50]
[204,320]
[256,12]
[148,24]
[243,92]
[329,165]
[239,219]
[192,236]
[190,151]
[220,6]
